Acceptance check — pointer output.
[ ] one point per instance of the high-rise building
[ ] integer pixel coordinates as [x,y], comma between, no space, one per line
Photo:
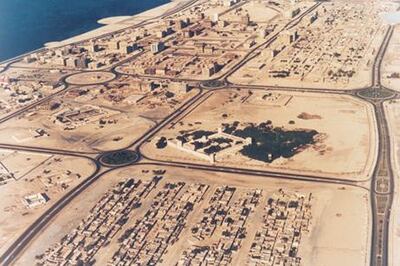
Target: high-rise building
[157,47]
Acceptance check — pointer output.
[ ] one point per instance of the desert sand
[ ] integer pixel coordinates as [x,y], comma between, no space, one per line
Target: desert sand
[330,206]
[336,118]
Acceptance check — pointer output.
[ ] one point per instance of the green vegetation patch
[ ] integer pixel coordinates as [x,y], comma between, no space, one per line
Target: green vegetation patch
[376,93]
[120,157]
[270,143]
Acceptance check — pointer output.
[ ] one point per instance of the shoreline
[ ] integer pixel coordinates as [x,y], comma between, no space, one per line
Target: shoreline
[113,24]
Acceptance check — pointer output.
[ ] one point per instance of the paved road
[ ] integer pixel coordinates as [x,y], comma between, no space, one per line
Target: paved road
[32,105]
[381,200]
[82,154]
[382,183]
[382,189]
[247,171]
[257,50]
[19,245]
[252,53]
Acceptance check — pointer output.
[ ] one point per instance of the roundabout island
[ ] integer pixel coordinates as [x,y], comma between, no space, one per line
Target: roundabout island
[376,93]
[213,84]
[90,78]
[119,158]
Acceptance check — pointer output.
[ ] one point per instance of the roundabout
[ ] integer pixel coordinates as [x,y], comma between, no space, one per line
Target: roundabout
[376,93]
[119,158]
[213,84]
[90,78]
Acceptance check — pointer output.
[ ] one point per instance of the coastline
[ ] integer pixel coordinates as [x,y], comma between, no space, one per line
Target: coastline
[115,24]
[110,24]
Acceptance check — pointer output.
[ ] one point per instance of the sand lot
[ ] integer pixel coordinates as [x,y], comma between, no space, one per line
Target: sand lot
[23,87]
[336,213]
[90,78]
[53,175]
[97,123]
[87,138]
[391,62]
[334,117]
[258,11]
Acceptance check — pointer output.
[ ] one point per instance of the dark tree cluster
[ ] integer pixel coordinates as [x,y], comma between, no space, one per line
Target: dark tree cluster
[270,143]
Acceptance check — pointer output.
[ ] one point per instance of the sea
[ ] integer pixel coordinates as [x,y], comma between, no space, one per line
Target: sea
[26,25]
